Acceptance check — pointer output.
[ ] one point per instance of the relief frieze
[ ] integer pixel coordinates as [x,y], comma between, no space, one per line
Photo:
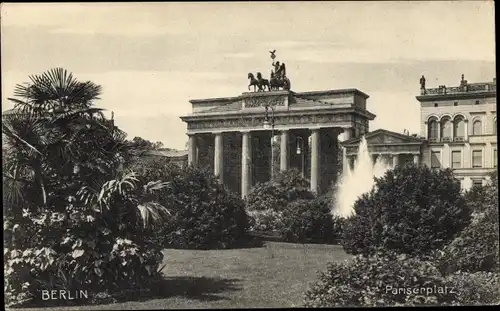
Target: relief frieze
[259,121]
[260,101]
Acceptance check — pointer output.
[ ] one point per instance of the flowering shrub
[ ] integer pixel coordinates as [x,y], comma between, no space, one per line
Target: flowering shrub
[75,248]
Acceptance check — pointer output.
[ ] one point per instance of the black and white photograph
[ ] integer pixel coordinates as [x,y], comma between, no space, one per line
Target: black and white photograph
[260,154]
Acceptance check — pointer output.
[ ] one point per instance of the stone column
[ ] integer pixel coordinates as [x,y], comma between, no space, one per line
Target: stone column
[466,130]
[246,164]
[284,160]
[193,152]
[315,136]
[439,131]
[395,160]
[346,135]
[416,159]
[219,157]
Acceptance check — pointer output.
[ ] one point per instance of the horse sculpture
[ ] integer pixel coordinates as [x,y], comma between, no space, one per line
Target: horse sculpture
[253,82]
[263,83]
[259,84]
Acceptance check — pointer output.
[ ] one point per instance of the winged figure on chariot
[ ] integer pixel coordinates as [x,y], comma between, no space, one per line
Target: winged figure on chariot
[277,80]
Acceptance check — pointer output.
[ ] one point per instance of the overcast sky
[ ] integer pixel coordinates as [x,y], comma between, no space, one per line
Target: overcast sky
[151,59]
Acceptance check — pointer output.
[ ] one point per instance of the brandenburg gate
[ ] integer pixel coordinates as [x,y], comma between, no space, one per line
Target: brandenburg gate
[235,136]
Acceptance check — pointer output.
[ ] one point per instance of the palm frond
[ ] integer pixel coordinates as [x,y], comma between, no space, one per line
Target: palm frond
[152,212]
[120,186]
[11,134]
[153,186]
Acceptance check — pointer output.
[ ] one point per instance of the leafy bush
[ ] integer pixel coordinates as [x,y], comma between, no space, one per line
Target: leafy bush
[475,249]
[411,209]
[477,246]
[286,187]
[79,249]
[205,215]
[389,279]
[266,220]
[304,220]
[480,288]
[372,281]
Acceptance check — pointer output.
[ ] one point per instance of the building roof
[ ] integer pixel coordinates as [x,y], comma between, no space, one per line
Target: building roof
[464,90]
[383,136]
[169,153]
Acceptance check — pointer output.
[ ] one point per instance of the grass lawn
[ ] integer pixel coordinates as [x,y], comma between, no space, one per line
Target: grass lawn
[275,275]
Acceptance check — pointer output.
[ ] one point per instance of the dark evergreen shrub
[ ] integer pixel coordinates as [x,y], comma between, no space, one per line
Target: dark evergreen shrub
[304,220]
[411,209]
[205,215]
[286,187]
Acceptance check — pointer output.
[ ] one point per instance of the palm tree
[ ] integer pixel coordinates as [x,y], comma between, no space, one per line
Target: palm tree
[57,142]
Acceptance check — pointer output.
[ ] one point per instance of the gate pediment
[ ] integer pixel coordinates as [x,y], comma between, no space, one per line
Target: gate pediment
[381,136]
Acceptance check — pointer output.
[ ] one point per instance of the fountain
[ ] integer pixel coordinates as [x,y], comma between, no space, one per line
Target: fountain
[357,181]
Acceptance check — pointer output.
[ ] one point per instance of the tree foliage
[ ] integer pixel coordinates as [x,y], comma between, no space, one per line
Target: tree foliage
[286,187]
[476,248]
[411,209]
[74,219]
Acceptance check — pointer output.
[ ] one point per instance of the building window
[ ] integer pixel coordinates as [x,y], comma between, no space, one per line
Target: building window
[456,159]
[477,158]
[495,127]
[455,104]
[435,159]
[477,183]
[477,102]
[446,128]
[458,127]
[495,158]
[476,127]
[436,104]
[432,130]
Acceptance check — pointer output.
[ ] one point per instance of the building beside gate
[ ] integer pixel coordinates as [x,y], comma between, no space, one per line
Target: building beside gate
[458,131]
[460,126]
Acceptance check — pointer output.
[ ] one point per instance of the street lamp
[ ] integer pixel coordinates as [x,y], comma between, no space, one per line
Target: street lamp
[270,125]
